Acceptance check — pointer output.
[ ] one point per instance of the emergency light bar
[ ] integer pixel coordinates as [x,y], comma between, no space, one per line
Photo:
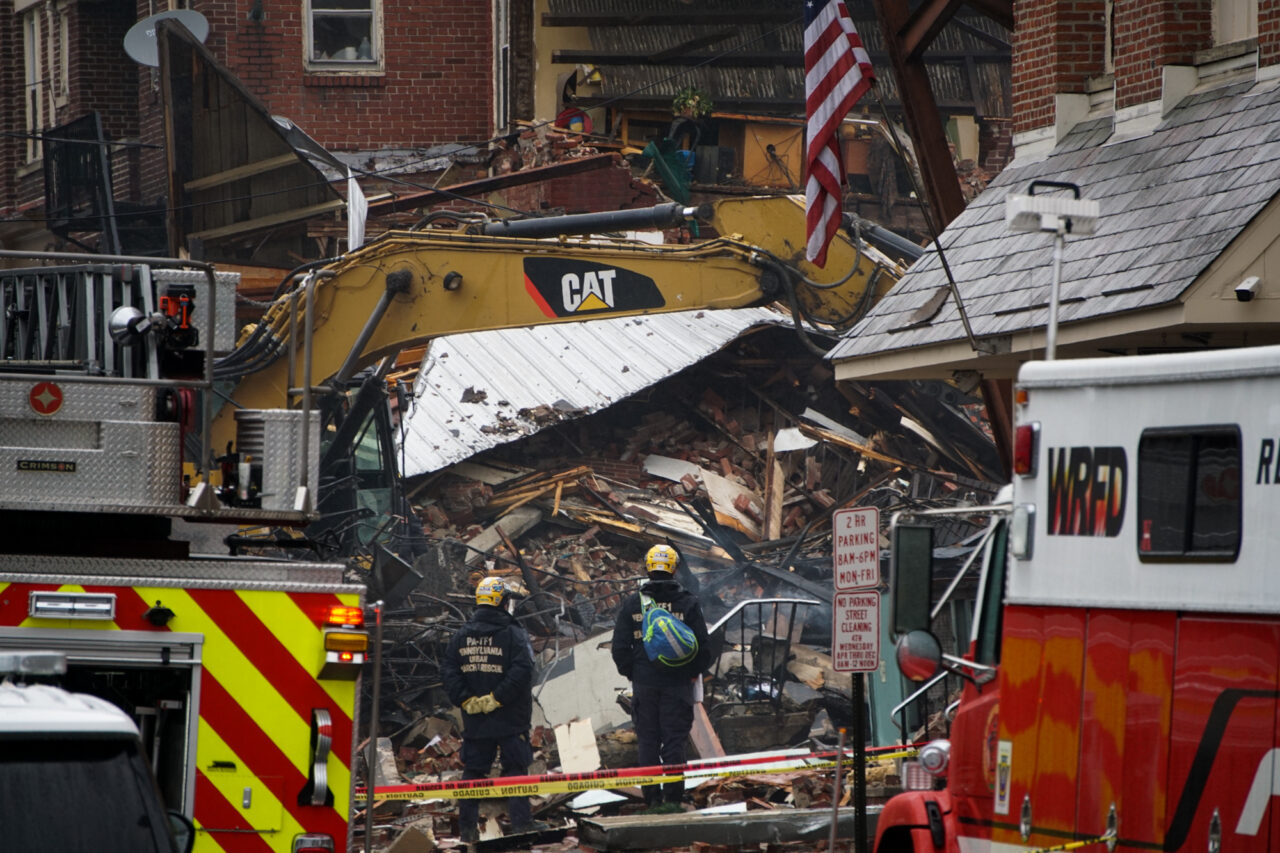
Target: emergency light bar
[344,615]
[33,663]
[71,605]
[345,643]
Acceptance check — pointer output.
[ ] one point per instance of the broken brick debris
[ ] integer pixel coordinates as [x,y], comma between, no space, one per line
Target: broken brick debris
[578,504]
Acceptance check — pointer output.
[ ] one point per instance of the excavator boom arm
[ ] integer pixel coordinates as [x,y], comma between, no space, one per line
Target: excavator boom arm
[409,287]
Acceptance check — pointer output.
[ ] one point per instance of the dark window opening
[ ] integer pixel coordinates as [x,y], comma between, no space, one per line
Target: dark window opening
[1189,493]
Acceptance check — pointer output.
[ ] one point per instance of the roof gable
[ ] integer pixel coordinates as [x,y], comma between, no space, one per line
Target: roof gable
[1171,202]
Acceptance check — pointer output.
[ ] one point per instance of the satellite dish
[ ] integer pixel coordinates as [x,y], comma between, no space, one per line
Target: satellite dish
[140,41]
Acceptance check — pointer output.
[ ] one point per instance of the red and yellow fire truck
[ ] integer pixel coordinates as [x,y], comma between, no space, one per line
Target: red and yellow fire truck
[1120,681]
[242,671]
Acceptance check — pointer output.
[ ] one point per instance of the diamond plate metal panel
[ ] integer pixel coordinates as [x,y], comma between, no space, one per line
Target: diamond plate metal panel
[212,573]
[136,463]
[81,401]
[225,283]
[275,437]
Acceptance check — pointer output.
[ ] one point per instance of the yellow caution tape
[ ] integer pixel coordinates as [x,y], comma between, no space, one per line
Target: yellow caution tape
[1075,845]
[537,786]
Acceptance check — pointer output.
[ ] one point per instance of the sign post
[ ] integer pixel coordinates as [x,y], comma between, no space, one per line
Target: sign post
[855,631]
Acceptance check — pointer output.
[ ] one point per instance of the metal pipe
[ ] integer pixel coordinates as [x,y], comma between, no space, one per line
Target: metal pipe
[293,344]
[1051,334]
[987,533]
[371,751]
[835,793]
[883,236]
[113,380]
[659,216]
[742,605]
[348,368]
[902,706]
[307,345]
[206,410]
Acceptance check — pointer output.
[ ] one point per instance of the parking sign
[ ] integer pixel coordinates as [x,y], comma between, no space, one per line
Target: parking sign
[855,548]
[855,631]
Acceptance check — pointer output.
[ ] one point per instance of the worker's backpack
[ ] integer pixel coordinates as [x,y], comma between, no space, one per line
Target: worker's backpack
[665,637]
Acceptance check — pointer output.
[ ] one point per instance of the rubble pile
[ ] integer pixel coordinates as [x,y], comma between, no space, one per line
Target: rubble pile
[737,468]
[739,462]
[427,751]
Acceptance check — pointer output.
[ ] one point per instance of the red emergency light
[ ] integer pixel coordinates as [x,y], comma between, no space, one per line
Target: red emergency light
[1026,443]
[344,615]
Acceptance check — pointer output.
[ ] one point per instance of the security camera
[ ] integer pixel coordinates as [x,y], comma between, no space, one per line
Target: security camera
[1246,289]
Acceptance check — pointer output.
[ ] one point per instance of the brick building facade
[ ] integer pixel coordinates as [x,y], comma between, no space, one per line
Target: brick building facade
[1077,59]
[388,74]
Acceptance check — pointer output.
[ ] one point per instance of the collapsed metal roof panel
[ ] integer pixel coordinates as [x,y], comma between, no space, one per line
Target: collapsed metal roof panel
[478,390]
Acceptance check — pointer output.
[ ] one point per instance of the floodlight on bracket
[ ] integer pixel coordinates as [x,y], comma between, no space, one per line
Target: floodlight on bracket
[1059,216]
[1076,216]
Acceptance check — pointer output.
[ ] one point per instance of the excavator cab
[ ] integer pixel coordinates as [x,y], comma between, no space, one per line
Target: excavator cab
[361,501]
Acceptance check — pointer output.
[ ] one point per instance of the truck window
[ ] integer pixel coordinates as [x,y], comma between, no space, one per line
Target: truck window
[374,491]
[79,794]
[1189,493]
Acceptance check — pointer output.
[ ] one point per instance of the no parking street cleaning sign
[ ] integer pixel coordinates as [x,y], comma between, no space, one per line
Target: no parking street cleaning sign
[855,611]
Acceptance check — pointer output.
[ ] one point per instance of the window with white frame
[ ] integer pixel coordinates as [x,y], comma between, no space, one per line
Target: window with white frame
[344,35]
[45,70]
[59,17]
[33,82]
[502,64]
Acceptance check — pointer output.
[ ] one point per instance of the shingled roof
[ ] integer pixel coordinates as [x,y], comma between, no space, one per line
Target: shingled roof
[1171,203]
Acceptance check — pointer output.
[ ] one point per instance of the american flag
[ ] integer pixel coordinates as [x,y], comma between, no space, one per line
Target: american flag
[837,71]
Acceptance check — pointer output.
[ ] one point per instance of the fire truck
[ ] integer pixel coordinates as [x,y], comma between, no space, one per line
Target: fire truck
[1120,679]
[139,434]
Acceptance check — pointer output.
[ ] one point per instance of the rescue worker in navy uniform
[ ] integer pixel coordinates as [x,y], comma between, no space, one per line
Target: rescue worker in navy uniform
[488,672]
[662,695]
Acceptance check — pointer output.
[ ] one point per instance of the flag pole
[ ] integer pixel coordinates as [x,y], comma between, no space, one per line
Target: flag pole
[927,210]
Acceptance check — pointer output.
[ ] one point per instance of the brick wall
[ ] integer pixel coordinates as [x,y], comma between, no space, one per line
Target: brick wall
[522,60]
[597,190]
[1057,46]
[995,141]
[436,86]
[10,105]
[1268,33]
[1149,36]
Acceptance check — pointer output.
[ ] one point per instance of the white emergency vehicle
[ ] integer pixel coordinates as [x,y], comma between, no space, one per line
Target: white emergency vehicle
[72,772]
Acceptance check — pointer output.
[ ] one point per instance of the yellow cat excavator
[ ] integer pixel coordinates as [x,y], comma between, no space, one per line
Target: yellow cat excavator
[351,317]
[112,439]
[287,422]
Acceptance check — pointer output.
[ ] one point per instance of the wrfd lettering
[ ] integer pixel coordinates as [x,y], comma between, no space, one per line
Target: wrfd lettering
[1268,463]
[1087,488]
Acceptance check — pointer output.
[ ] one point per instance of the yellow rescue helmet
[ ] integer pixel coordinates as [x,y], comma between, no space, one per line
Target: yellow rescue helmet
[494,590]
[661,558]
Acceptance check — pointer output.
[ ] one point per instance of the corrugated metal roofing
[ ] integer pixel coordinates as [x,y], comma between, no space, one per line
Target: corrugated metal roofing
[482,389]
[742,84]
[1170,203]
